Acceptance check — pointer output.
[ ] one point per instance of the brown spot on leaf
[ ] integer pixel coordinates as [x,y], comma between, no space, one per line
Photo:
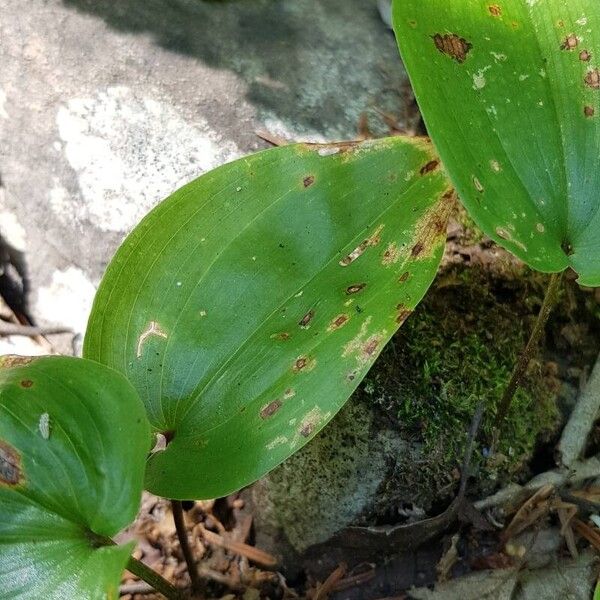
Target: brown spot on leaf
[403,313]
[10,465]
[308,180]
[391,255]
[307,428]
[404,277]
[592,79]
[306,319]
[282,336]
[416,249]
[26,383]
[354,289]
[453,46]
[338,322]
[303,363]
[585,56]
[589,111]
[570,42]
[270,409]
[373,240]
[432,165]
[495,10]
[351,376]
[369,348]
[439,225]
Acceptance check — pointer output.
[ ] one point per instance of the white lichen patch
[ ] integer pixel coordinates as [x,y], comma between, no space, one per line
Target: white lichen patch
[67,300]
[23,346]
[12,231]
[3,113]
[153,330]
[129,152]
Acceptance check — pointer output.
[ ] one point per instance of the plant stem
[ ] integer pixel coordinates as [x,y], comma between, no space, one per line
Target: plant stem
[160,584]
[137,567]
[185,544]
[550,299]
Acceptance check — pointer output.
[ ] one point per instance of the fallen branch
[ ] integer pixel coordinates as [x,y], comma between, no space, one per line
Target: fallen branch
[575,434]
[260,557]
[514,494]
[29,330]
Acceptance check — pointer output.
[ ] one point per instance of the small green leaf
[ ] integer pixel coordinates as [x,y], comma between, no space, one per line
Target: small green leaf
[510,92]
[73,441]
[247,307]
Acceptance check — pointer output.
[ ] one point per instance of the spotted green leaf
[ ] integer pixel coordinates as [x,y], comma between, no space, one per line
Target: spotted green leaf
[73,441]
[510,92]
[247,307]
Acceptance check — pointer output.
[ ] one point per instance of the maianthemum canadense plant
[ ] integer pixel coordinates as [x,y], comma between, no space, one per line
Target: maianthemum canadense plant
[244,310]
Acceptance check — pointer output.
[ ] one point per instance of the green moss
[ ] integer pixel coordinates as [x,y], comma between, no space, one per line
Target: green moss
[458,349]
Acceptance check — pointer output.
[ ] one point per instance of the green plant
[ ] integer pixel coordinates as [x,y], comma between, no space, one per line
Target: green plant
[522,150]
[73,436]
[245,309]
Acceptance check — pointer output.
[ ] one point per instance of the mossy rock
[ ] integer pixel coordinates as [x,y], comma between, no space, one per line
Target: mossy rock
[394,452]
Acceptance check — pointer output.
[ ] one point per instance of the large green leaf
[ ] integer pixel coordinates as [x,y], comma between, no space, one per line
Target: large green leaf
[510,92]
[73,441]
[248,306]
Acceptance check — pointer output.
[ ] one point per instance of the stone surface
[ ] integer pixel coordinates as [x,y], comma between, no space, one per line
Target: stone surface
[106,107]
[330,482]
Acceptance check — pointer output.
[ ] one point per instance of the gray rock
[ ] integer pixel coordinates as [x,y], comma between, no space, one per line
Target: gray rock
[106,107]
[565,579]
[337,479]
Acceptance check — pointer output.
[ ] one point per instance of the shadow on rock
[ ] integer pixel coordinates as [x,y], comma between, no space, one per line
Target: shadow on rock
[305,61]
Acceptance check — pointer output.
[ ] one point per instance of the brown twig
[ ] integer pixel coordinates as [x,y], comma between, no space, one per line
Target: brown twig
[272,138]
[260,557]
[29,330]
